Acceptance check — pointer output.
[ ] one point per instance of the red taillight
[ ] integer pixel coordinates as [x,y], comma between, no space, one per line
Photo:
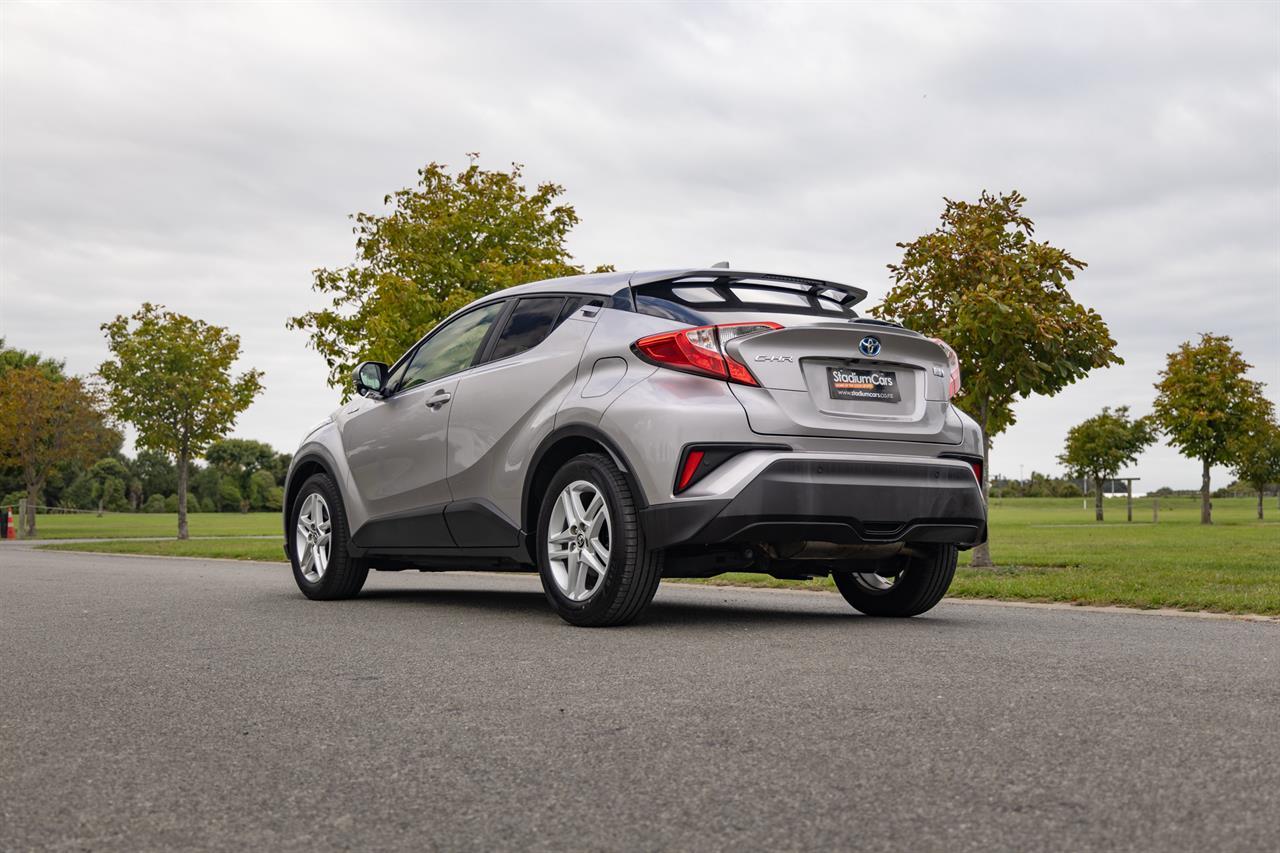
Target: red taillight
[953,379]
[702,350]
[690,467]
[976,465]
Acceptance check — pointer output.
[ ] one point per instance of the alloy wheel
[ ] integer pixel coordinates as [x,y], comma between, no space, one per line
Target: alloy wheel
[579,537]
[311,541]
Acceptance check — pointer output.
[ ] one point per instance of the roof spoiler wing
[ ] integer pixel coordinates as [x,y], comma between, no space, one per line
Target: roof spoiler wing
[845,294]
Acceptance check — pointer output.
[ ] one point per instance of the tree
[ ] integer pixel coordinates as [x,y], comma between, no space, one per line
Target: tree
[109,476]
[999,298]
[259,490]
[1204,401]
[12,359]
[1099,447]
[445,242]
[45,422]
[1256,456]
[171,378]
[156,472]
[242,459]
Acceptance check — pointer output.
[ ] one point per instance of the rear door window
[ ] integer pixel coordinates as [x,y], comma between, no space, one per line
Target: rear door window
[528,325]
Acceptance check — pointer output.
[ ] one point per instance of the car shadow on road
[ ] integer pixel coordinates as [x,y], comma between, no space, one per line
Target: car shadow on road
[661,614]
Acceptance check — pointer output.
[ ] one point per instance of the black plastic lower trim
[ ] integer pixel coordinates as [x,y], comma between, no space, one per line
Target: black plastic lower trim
[842,501]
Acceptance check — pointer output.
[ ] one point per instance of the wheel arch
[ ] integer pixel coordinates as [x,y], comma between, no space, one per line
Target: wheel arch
[553,452]
[306,464]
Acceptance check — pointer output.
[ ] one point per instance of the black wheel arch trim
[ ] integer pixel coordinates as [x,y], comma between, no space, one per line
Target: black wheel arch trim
[528,518]
[320,456]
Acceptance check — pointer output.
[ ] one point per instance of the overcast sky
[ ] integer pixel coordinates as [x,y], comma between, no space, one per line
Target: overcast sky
[207,158]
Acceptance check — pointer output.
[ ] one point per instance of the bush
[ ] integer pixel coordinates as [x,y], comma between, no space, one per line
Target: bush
[229,496]
[155,503]
[207,505]
[171,503]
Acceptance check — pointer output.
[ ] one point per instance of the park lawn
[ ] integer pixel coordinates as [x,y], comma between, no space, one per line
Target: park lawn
[1046,549]
[267,550]
[138,524]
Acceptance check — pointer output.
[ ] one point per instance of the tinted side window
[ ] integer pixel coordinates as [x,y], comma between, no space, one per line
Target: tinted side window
[450,348]
[530,322]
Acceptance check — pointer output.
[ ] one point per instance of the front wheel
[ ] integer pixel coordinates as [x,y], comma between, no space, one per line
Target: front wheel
[904,585]
[318,546]
[595,567]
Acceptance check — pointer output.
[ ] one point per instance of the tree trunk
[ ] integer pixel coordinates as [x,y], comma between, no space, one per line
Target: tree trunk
[982,554]
[1206,506]
[1097,498]
[33,500]
[1260,504]
[182,494]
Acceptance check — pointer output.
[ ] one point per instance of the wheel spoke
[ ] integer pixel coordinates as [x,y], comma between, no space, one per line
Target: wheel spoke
[600,550]
[568,503]
[574,566]
[593,562]
[558,553]
[594,510]
[307,558]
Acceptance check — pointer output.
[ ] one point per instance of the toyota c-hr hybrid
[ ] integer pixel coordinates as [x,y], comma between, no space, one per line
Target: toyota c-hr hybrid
[610,430]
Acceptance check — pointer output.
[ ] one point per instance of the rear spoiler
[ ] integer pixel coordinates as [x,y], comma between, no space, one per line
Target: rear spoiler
[845,294]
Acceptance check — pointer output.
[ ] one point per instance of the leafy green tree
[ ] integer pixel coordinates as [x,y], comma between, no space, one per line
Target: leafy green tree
[261,483]
[999,298]
[1100,446]
[446,241]
[1204,402]
[12,359]
[156,472]
[47,421]
[241,460]
[1256,456]
[170,376]
[230,498]
[108,476]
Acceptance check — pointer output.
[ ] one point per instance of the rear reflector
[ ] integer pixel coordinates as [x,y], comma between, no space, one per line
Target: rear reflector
[977,470]
[689,468]
[702,350]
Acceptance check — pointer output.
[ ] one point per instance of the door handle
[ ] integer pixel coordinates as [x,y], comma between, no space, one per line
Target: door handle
[438,399]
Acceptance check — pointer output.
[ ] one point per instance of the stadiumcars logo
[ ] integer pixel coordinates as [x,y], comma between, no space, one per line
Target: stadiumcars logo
[851,383]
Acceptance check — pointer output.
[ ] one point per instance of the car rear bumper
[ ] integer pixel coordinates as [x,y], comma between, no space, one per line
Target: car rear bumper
[842,500]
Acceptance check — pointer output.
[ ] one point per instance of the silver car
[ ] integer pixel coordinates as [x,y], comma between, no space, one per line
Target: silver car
[610,430]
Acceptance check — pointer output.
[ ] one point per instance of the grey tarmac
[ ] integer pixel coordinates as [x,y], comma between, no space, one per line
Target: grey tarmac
[152,704]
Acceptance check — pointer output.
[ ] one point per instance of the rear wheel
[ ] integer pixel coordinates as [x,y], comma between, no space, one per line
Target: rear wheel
[901,585]
[318,545]
[595,567]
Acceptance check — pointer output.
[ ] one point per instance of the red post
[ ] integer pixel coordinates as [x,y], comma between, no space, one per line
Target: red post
[8,532]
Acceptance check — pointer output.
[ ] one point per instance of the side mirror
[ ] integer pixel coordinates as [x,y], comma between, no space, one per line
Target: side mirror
[370,377]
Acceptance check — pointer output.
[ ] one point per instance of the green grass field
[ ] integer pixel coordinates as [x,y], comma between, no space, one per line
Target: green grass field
[1047,550]
[123,525]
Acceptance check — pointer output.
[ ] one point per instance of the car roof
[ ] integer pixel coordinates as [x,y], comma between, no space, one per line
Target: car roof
[608,283]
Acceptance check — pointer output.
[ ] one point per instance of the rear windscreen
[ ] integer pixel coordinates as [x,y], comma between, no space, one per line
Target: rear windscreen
[690,300]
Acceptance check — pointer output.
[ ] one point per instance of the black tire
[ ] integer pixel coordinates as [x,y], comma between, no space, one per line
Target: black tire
[919,582]
[633,571]
[343,575]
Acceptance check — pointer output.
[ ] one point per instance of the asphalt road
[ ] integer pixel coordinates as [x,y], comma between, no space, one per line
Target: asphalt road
[160,704]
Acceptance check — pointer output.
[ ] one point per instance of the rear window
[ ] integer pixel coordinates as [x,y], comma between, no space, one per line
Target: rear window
[530,322]
[692,299]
